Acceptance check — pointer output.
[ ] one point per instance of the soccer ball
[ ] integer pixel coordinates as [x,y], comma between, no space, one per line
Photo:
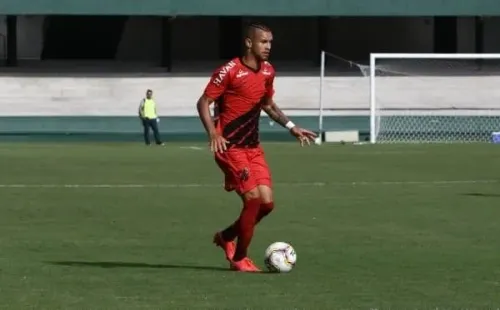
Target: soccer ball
[280,257]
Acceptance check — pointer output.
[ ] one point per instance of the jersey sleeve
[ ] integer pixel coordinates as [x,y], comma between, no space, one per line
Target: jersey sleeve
[270,81]
[270,87]
[219,81]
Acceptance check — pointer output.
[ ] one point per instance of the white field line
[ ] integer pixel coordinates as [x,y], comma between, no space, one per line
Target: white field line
[210,185]
[197,148]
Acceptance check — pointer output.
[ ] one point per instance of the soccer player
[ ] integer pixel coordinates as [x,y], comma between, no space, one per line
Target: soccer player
[241,89]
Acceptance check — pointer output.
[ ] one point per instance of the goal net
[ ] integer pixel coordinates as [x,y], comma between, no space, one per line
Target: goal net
[416,98]
[419,98]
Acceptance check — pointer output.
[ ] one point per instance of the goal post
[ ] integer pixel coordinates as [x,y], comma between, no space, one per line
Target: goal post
[321,93]
[343,98]
[440,98]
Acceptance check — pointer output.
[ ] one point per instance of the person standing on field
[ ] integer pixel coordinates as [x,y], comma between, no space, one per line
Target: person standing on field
[240,90]
[149,118]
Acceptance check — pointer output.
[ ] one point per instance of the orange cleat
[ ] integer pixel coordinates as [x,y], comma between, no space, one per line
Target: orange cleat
[229,247]
[244,265]
[251,265]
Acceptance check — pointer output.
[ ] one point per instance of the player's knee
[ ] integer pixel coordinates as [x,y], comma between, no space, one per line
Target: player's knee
[266,207]
[252,194]
[266,194]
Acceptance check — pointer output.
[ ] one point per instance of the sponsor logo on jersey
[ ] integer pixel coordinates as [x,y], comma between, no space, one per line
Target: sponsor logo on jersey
[241,73]
[223,72]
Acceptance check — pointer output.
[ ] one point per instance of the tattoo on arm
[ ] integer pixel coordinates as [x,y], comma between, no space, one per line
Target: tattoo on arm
[275,113]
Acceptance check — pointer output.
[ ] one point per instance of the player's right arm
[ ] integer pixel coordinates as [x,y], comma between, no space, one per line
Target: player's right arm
[141,109]
[215,88]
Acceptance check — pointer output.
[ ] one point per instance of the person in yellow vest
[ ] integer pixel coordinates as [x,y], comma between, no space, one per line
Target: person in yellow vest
[149,118]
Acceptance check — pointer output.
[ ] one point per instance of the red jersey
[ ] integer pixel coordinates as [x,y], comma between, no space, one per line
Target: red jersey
[238,91]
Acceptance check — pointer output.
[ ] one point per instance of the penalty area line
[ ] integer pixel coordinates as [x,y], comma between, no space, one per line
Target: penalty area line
[279,184]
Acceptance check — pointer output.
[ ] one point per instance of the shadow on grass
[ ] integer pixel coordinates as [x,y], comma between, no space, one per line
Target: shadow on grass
[134,265]
[486,195]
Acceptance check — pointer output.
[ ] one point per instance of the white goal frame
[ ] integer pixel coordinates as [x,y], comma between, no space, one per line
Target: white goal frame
[436,56]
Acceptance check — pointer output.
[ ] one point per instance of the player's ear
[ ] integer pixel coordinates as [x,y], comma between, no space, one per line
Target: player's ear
[248,43]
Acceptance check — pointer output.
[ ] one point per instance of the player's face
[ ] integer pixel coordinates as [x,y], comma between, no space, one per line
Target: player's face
[149,94]
[261,44]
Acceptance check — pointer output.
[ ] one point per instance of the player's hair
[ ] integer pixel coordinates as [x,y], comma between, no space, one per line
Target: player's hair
[250,29]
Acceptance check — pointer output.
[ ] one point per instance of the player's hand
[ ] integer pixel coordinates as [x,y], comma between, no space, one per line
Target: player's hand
[303,135]
[218,143]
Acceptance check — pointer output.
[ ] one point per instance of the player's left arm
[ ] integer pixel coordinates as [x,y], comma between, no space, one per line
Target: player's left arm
[271,108]
[275,113]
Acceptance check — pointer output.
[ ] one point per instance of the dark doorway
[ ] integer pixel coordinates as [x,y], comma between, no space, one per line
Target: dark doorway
[82,37]
[445,34]
[230,37]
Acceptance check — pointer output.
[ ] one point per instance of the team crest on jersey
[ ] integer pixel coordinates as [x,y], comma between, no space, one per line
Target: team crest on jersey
[223,72]
[266,72]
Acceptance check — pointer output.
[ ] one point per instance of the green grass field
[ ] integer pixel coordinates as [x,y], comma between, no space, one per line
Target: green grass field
[123,226]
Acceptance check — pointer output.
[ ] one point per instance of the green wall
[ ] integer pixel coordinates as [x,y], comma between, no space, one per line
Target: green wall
[418,128]
[255,7]
[129,128]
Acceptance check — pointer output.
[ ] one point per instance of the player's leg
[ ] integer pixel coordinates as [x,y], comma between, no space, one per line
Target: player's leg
[231,232]
[259,190]
[260,171]
[266,207]
[235,165]
[145,126]
[156,132]
[267,202]
[246,222]
[225,238]
[262,174]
